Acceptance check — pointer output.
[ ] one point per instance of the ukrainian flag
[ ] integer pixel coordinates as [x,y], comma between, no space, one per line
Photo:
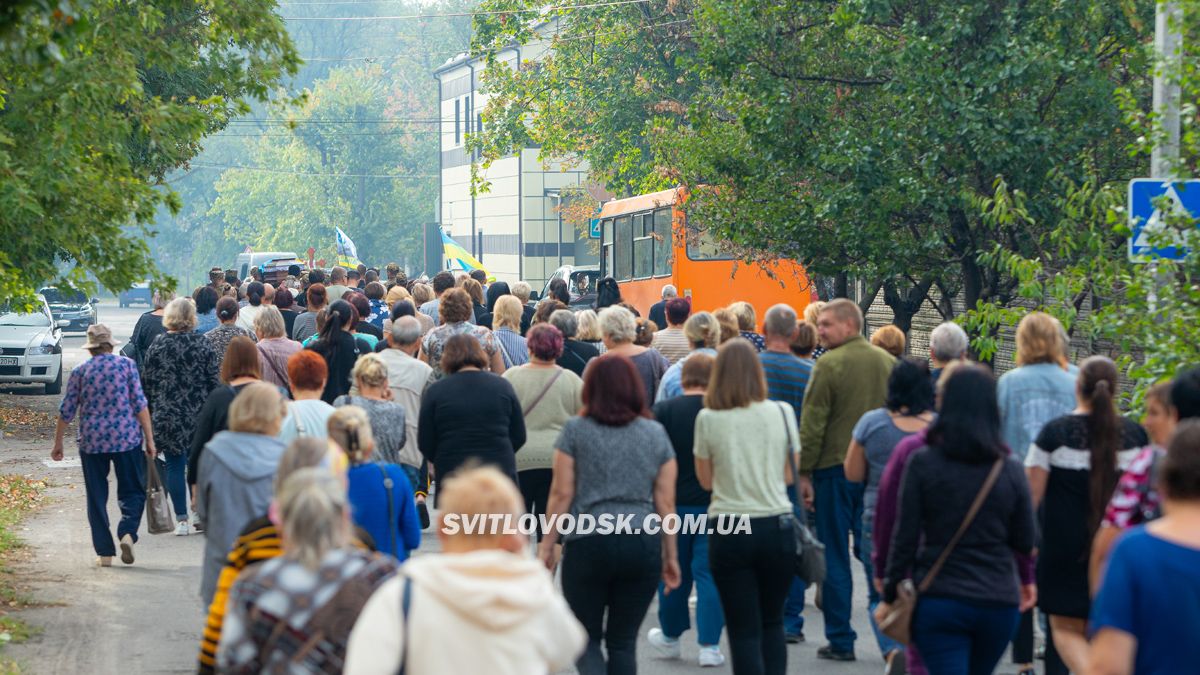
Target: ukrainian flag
[458,258]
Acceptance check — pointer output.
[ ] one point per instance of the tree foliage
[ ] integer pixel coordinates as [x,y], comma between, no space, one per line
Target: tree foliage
[365,105]
[100,100]
[860,137]
[1148,315]
[371,178]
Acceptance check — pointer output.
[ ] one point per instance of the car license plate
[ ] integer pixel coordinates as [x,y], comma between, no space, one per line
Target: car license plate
[8,360]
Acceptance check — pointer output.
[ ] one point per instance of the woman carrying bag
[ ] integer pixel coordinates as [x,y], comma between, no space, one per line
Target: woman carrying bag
[966,603]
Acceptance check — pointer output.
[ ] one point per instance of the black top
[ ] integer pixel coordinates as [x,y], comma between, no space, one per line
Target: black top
[527,318]
[471,414]
[658,314]
[1062,448]
[289,320]
[148,327]
[180,370]
[479,312]
[340,362]
[213,418]
[935,495]
[369,329]
[576,355]
[678,416]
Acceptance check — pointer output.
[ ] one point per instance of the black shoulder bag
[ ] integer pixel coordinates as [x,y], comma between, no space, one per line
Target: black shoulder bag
[810,552]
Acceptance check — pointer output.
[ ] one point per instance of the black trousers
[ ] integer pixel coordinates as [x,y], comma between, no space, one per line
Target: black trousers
[752,573]
[535,489]
[617,573]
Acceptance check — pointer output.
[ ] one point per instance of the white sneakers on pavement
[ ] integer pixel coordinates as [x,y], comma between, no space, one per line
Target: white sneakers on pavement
[668,648]
[181,528]
[711,657]
[197,524]
[665,647]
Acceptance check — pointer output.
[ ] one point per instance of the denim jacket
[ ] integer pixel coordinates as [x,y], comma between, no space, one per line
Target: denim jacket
[1029,397]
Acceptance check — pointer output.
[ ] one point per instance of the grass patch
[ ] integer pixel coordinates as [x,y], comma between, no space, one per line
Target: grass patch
[18,496]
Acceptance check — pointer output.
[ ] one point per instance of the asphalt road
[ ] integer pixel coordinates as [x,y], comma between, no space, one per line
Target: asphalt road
[147,618]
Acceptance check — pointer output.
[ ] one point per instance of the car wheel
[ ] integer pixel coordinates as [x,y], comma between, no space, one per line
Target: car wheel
[54,388]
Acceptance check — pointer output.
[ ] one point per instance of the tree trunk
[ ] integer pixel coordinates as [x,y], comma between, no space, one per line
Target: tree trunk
[905,304]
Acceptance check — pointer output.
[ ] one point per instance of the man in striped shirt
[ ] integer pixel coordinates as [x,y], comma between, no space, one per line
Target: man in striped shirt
[787,378]
[670,341]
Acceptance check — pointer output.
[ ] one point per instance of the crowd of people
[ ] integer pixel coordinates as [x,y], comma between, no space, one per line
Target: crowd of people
[304,429]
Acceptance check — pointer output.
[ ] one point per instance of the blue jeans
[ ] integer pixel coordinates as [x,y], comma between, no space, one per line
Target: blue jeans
[673,614]
[130,470]
[960,637]
[175,484]
[839,506]
[886,644]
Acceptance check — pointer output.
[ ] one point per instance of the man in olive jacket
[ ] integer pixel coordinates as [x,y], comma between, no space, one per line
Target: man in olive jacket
[847,381]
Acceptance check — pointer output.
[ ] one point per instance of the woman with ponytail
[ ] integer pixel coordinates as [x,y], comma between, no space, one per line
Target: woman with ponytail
[381,496]
[340,348]
[1073,467]
[294,613]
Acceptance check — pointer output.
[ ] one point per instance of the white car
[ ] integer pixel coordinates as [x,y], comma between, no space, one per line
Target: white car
[31,347]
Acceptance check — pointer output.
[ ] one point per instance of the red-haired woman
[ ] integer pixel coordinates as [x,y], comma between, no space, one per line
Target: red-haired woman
[307,413]
[612,463]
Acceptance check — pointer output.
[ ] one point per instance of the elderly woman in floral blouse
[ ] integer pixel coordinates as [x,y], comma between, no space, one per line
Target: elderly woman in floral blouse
[105,394]
[180,369]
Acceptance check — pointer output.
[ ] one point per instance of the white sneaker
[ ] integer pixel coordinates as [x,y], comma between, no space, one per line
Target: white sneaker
[197,524]
[710,657]
[181,528]
[663,645]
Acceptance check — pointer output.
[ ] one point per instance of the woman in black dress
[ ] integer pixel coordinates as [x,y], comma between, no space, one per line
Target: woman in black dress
[179,371]
[1073,467]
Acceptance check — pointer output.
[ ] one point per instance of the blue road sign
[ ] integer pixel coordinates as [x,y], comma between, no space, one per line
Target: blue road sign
[594,228]
[1147,217]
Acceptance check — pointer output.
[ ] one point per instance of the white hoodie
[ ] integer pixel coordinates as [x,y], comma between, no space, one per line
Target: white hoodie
[486,611]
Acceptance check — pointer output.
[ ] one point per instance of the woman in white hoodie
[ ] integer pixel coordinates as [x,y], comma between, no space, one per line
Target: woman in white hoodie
[483,590]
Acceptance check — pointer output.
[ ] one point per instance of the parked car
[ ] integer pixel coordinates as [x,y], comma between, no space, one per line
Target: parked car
[140,293]
[581,282]
[31,347]
[77,309]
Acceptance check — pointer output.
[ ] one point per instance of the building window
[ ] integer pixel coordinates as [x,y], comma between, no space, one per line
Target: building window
[467,115]
[457,121]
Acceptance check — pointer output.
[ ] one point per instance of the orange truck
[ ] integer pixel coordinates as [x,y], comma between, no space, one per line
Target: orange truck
[647,242]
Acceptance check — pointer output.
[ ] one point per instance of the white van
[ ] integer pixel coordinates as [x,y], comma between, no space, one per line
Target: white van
[246,261]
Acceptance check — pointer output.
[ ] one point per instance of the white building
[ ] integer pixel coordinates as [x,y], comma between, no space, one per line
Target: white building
[514,228]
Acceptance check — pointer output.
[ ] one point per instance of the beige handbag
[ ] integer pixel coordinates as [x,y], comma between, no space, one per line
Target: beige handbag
[898,623]
[159,519]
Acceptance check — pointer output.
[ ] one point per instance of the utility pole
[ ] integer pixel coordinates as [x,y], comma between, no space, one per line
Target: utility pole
[1168,53]
[1168,67]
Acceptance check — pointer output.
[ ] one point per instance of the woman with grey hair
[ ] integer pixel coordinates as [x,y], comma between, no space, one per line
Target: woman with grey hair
[618,328]
[148,327]
[178,372]
[292,611]
[274,347]
[576,353]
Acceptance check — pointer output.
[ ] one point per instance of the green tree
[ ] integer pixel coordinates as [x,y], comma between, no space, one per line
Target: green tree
[860,137]
[336,160]
[100,100]
[1146,315]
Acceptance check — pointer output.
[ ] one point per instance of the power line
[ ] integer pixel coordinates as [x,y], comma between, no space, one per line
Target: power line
[541,10]
[311,173]
[397,120]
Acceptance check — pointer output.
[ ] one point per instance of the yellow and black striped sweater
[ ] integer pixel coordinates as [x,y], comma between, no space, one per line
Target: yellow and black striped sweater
[258,541]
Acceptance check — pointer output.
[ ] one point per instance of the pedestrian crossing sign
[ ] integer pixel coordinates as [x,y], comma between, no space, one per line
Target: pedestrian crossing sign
[1152,201]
